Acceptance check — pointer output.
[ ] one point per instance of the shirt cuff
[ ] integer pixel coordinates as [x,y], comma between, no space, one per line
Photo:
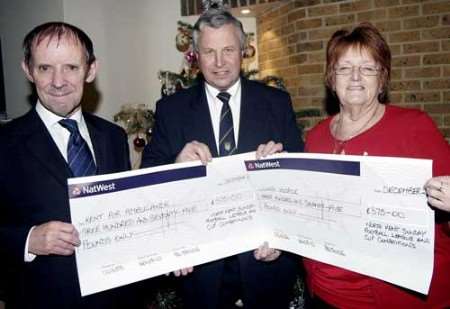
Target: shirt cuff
[28,257]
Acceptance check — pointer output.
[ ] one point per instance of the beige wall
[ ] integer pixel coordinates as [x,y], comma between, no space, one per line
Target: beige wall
[133,40]
[16,19]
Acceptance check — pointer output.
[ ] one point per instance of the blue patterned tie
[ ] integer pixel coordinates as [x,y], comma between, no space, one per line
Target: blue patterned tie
[79,155]
[227,146]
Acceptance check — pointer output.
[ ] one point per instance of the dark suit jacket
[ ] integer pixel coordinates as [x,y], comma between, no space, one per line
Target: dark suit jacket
[33,190]
[266,114]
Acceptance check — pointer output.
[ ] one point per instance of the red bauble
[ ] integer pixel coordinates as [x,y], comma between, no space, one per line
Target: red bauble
[190,57]
[139,142]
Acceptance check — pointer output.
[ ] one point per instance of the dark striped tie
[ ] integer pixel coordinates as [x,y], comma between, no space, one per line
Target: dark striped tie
[227,146]
[79,155]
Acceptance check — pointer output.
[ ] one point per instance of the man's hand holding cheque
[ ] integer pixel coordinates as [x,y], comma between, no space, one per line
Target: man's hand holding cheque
[53,237]
[198,151]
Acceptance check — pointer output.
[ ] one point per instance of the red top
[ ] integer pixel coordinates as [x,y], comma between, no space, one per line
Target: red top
[399,133]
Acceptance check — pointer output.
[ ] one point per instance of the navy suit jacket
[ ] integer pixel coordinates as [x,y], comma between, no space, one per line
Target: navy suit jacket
[266,114]
[33,190]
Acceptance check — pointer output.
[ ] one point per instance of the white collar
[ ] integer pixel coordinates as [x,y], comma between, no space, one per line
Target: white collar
[50,118]
[232,90]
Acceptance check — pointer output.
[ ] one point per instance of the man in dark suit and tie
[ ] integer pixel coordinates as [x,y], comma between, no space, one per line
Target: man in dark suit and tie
[224,115]
[39,151]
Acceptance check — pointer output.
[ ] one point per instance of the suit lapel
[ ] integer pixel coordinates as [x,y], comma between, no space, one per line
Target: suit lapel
[98,143]
[252,119]
[199,125]
[40,144]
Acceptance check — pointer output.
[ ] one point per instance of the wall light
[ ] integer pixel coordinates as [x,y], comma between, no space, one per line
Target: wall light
[245,11]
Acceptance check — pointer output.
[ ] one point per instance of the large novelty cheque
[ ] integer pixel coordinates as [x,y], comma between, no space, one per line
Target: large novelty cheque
[366,214]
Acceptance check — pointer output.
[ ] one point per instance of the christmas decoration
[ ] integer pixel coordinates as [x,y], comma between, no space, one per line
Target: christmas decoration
[172,82]
[139,142]
[184,36]
[166,298]
[136,119]
[212,4]
[190,57]
[250,50]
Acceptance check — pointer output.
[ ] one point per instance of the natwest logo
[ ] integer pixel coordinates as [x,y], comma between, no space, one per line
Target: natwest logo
[76,191]
[96,188]
[261,165]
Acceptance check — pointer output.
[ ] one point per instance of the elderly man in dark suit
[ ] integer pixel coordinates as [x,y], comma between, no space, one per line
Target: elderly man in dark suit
[224,115]
[39,151]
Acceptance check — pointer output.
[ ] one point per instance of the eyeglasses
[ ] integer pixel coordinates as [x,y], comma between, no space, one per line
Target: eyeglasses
[366,70]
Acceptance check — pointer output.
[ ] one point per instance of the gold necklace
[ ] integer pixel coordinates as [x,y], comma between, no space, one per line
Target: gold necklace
[339,144]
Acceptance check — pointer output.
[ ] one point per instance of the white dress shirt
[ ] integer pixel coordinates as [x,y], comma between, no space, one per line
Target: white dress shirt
[60,136]
[215,108]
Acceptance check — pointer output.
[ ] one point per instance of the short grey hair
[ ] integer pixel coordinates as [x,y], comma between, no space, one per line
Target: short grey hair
[216,18]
